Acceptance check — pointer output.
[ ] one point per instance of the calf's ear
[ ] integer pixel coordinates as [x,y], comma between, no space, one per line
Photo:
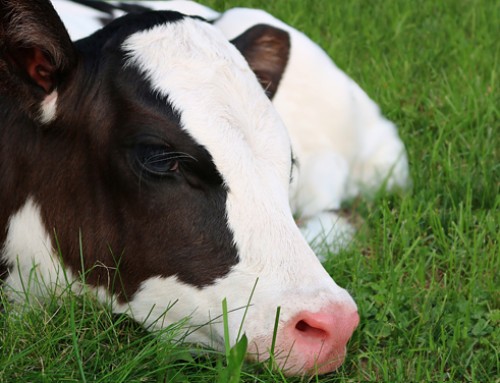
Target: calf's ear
[266,50]
[36,52]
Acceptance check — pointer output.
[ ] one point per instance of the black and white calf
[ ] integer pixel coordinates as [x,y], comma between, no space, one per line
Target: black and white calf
[341,141]
[153,141]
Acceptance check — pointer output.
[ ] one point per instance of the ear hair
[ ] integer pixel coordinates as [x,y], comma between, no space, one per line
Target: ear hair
[266,50]
[34,42]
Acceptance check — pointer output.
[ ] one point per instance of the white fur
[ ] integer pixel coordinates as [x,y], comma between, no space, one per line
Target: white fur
[224,109]
[29,252]
[327,233]
[48,108]
[81,21]
[343,144]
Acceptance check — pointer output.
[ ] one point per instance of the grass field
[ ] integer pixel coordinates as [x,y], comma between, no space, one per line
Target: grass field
[424,267]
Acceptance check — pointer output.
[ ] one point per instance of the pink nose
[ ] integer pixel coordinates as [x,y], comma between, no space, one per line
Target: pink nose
[318,340]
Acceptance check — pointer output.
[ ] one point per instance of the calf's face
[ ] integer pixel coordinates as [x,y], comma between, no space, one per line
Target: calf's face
[153,143]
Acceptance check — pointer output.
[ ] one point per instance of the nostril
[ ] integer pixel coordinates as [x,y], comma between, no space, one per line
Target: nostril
[318,340]
[311,331]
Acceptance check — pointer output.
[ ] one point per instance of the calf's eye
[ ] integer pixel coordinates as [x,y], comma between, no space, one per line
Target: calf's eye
[156,160]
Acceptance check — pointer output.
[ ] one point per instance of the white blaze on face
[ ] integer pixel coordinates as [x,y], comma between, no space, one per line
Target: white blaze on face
[223,108]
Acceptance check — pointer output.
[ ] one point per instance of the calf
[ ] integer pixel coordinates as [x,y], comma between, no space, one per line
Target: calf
[343,145]
[153,144]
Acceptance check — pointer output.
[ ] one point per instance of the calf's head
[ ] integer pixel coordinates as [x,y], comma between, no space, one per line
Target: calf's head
[153,142]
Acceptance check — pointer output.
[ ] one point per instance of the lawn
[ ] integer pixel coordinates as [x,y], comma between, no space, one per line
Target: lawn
[424,267]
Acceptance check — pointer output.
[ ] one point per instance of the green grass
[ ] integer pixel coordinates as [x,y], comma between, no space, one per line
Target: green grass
[424,267]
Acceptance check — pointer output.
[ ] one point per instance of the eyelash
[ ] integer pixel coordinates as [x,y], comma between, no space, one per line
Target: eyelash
[159,160]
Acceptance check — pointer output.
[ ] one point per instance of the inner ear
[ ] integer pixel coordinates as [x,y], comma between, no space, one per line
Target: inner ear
[266,50]
[37,66]
[35,49]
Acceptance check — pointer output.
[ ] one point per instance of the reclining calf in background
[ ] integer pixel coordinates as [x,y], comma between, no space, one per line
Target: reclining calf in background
[153,140]
[342,143]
